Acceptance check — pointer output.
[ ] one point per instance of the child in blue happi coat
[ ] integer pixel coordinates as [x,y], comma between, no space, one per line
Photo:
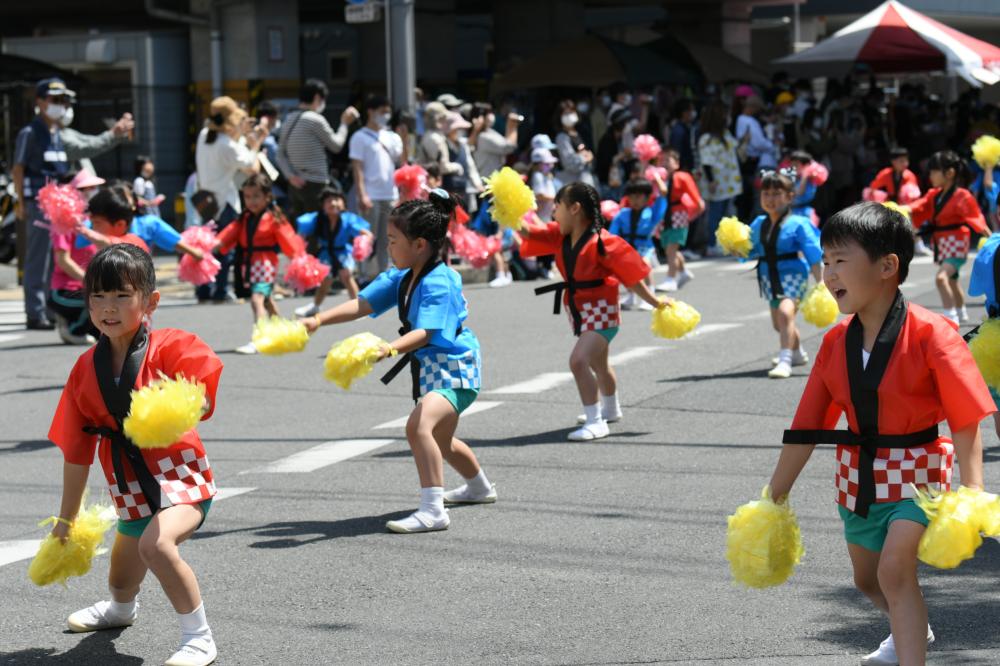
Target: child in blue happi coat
[330,234]
[985,281]
[638,222]
[786,247]
[442,354]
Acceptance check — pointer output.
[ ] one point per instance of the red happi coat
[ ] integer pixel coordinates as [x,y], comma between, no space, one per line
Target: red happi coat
[591,278]
[884,181]
[929,377]
[181,470]
[260,261]
[951,223]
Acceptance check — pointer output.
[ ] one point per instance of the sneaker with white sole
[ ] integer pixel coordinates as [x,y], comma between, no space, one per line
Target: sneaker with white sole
[684,278]
[885,655]
[503,280]
[194,651]
[781,371]
[628,302]
[418,521]
[62,328]
[798,358]
[670,284]
[306,310]
[462,495]
[590,431]
[920,249]
[99,617]
[608,418]
[248,348]
[963,316]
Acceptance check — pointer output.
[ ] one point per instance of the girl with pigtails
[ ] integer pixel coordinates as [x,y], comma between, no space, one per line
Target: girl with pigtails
[592,262]
[442,355]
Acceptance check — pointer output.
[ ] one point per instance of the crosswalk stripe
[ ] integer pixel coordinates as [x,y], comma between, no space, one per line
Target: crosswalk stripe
[328,453]
[539,384]
[9,338]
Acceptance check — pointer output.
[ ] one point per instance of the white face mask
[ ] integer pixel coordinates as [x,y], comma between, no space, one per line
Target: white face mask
[606,101]
[55,111]
[383,119]
[570,119]
[583,107]
[626,99]
[67,118]
[322,107]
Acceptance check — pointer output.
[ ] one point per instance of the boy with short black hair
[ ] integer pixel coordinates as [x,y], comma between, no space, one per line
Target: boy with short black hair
[637,223]
[896,370]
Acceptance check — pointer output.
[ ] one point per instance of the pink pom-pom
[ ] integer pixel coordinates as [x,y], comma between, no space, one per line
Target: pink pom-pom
[816,173]
[63,207]
[198,272]
[362,247]
[908,193]
[879,196]
[472,247]
[609,209]
[411,181]
[646,147]
[202,238]
[306,272]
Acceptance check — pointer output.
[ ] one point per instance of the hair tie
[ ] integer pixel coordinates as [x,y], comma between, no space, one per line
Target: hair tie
[217,119]
[440,193]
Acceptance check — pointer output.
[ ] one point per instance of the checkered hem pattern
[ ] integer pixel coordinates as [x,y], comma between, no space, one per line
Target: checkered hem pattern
[793,284]
[262,271]
[597,316]
[679,219]
[184,478]
[894,470]
[952,246]
[441,371]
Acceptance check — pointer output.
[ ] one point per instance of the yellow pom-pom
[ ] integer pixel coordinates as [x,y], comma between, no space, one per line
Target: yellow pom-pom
[353,358]
[956,519]
[986,151]
[163,411]
[56,561]
[512,198]
[819,307]
[763,542]
[902,210]
[982,242]
[733,237]
[985,348]
[275,336]
[675,320]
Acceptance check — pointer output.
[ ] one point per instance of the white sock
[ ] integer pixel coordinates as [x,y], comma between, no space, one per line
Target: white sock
[592,413]
[432,500]
[122,610]
[785,356]
[194,623]
[479,484]
[953,312]
[609,404]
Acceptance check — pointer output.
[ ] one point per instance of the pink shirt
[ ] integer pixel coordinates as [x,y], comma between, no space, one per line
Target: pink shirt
[81,255]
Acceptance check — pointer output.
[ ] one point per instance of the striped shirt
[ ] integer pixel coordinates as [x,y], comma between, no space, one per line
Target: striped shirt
[305,138]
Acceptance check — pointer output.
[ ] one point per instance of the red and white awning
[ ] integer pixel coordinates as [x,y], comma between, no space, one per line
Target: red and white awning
[894,39]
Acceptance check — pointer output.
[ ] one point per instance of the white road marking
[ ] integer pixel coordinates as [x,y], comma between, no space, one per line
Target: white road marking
[708,329]
[735,266]
[475,408]
[634,353]
[10,328]
[177,302]
[9,338]
[227,493]
[12,306]
[317,457]
[763,314]
[539,384]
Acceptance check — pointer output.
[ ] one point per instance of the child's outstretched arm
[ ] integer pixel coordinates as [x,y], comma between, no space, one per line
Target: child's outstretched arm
[409,342]
[184,248]
[642,291]
[969,449]
[74,483]
[349,311]
[790,463]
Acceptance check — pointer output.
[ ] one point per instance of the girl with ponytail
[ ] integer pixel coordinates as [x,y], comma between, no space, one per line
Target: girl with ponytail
[441,354]
[946,215]
[592,263]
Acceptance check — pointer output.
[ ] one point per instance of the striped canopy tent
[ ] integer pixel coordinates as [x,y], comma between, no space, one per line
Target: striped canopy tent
[894,39]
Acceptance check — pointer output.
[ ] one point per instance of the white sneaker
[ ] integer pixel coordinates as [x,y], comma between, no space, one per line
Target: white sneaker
[963,316]
[248,348]
[670,284]
[798,358]
[628,302]
[608,418]
[783,370]
[885,655]
[952,315]
[418,521]
[462,495]
[306,310]
[98,617]
[643,305]
[62,327]
[194,651]
[684,278]
[921,249]
[502,280]
[590,431]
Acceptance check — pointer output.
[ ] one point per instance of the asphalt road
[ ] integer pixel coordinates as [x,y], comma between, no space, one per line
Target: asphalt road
[596,553]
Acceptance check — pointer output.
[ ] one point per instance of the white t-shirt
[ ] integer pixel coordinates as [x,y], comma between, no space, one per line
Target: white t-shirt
[378,153]
[218,163]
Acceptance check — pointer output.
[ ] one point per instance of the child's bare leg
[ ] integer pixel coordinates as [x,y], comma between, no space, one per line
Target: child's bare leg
[897,576]
[455,451]
[257,306]
[607,380]
[865,563]
[127,569]
[681,261]
[323,290]
[957,294]
[158,550]
[350,284]
[587,347]
[424,419]
[786,324]
[271,306]
[944,289]
[673,266]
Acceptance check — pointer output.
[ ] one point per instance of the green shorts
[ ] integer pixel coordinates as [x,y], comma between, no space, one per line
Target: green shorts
[775,303]
[135,528]
[957,263]
[673,237]
[870,532]
[459,398]
[265,288]
[608,333]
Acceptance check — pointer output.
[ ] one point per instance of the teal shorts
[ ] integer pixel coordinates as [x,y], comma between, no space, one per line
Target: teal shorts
[674,237]
[608,333]
[957,263]
[135,528]
[265,288]
[775,303]
[459,398]
[870,532]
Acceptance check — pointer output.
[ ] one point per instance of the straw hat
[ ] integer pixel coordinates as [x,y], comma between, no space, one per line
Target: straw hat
[225,113]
